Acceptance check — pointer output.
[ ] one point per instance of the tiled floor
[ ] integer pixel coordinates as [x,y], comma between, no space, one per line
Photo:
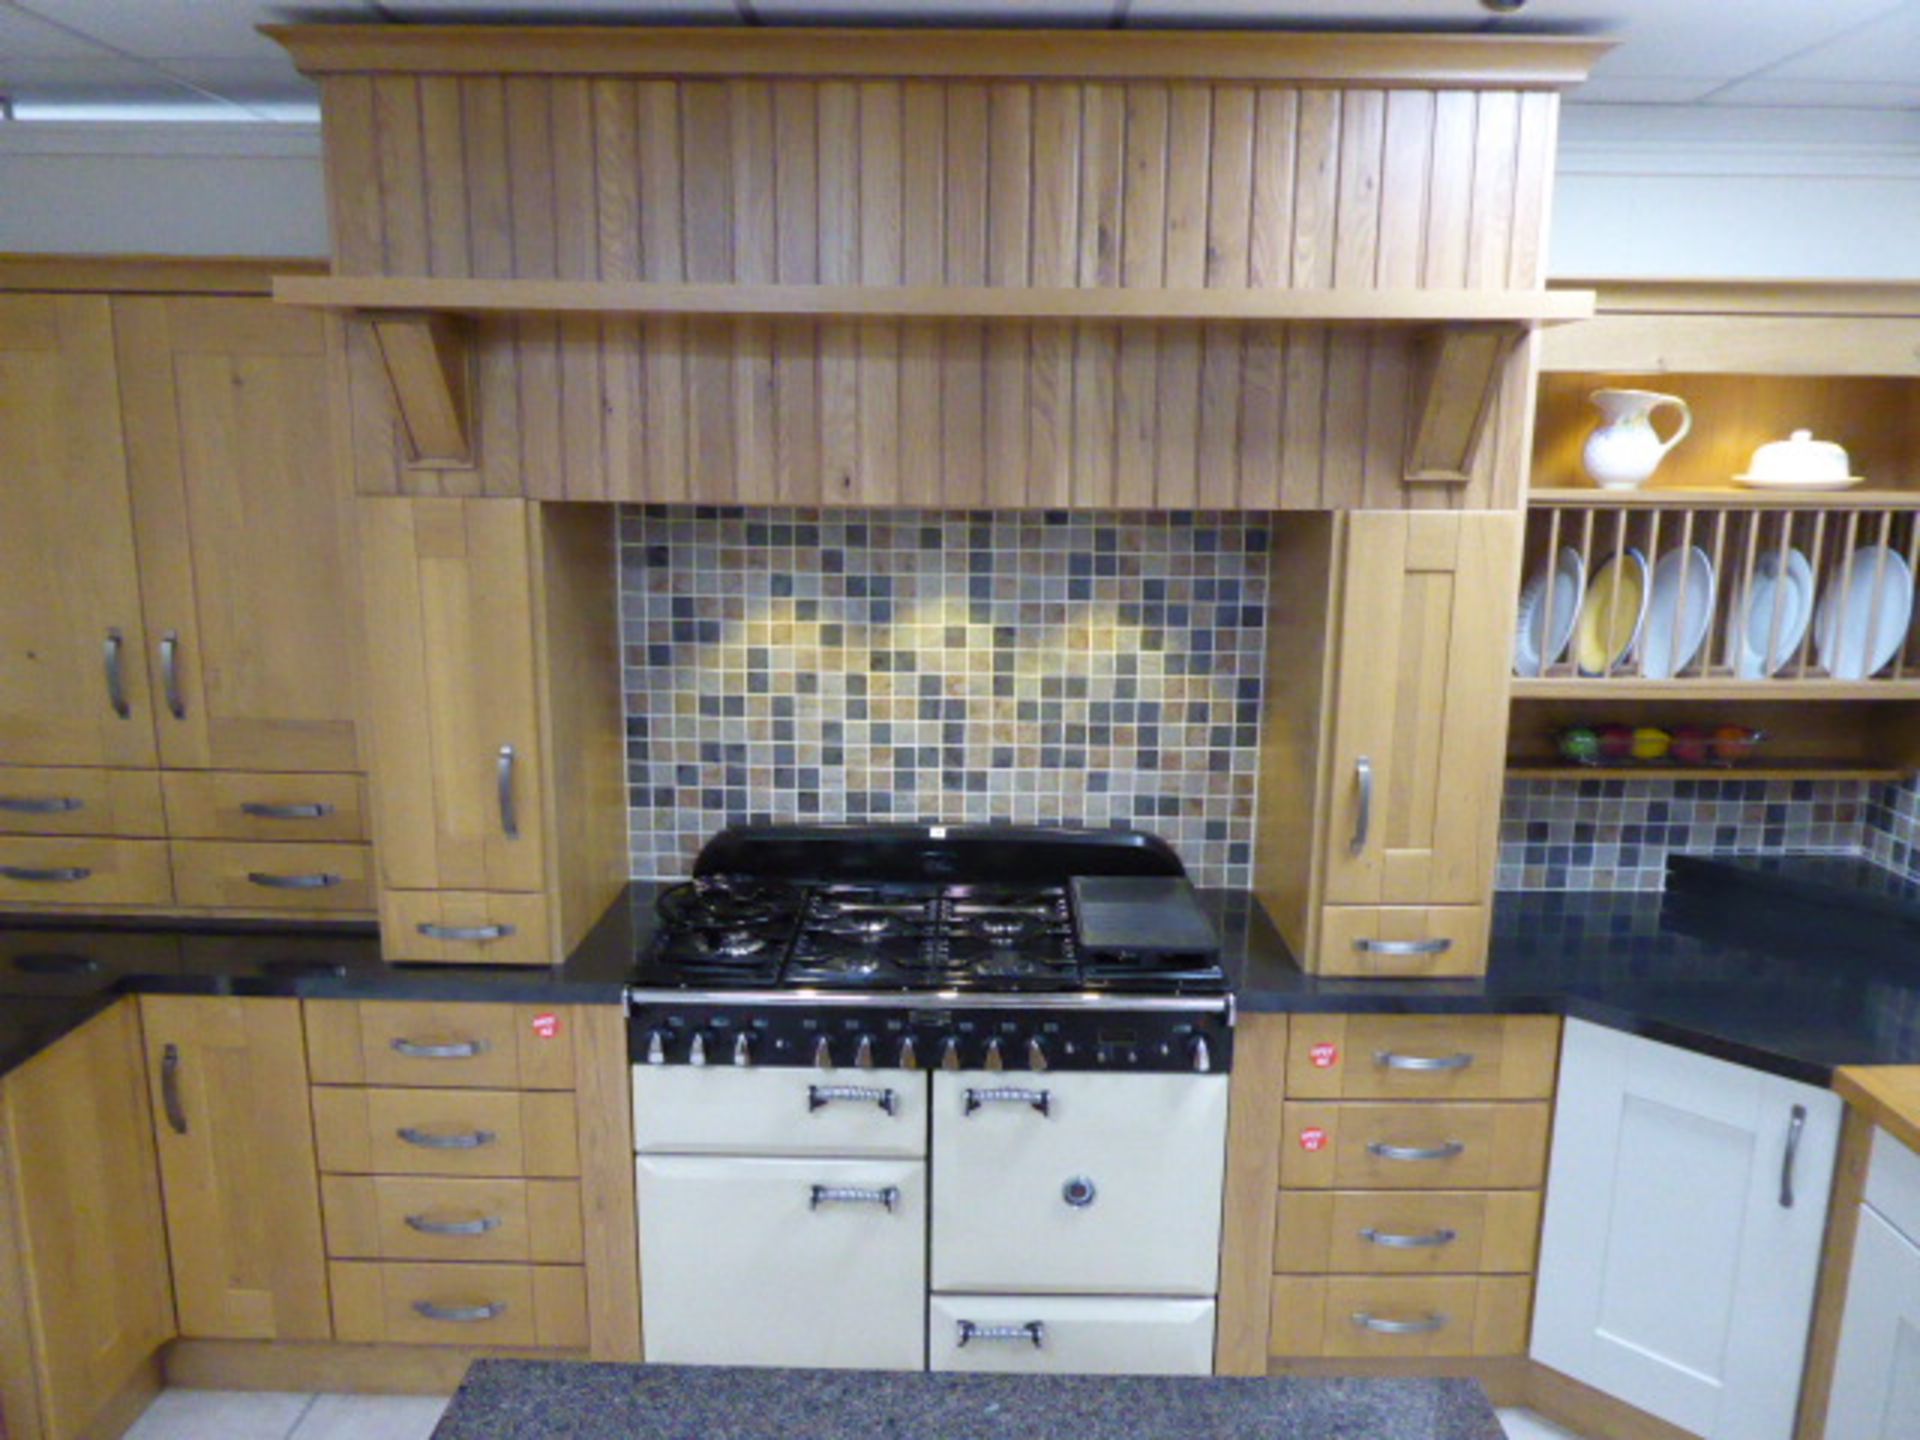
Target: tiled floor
[241,1415]
[1525,1425]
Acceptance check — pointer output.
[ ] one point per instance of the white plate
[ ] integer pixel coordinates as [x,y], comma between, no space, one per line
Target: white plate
[1669,642]
[1846,651]
[1761,482]
[1569,580]
[1610,620]
[1753,616]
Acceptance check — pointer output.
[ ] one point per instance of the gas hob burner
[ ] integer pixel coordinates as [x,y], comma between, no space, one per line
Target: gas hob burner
[868,925]
[728,901]
[730,944]
[1005,928]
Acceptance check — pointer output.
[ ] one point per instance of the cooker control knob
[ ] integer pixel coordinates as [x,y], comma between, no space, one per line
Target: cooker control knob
[823,1054]
[1202,1056]
[656,1048]
[697,1049]
[909,1058]
[742,1049]
[1036,1054]
[950,1054]
[863,1053]
[993,1060]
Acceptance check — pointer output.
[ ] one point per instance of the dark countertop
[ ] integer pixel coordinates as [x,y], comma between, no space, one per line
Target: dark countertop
[546,1400]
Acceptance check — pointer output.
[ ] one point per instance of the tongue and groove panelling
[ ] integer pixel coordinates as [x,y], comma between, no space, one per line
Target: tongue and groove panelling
[926,182]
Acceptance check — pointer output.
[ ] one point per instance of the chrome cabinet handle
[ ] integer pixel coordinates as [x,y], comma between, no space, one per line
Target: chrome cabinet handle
[1391,1060]
[170,673]
[1446,1151]
[41,804]
[1034,1333]
[260,810]
[1402,947]
[438,1050]
[479,1225]
[459,1314]
[1796,1127]
[37,875]
[1040,1100]
[509,821]
[1387,1240]
[116,677]
[170,1090]
[267,880]
[821,1096]
[887,1196]
[464,932]
[1426,1325]
[1363,817]
[430,1140]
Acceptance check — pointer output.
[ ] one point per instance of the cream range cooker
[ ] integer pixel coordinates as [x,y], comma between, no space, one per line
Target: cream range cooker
[939,1097]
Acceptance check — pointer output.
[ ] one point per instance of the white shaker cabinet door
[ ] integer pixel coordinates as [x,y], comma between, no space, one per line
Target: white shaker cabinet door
[1686,1205]
[783,1262]
[1876,1377]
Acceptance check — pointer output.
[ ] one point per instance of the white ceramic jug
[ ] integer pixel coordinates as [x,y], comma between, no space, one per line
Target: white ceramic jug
[1625,451]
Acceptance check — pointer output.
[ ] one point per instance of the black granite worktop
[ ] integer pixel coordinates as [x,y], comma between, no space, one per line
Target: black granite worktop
[547,1400]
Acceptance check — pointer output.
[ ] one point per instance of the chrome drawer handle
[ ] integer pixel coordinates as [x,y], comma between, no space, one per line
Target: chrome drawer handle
[1426,1325]
[41,805]
[1403,947]
[432,1140]
[116,676]
[34,875]
[170,673]
[479,1225]
[261,810]
[1389,1060]
[1796,1126]
[887,1196]
[1363,814]
[1034,1333]
[509,818]
[821,1096]
[459,1314]
[480,933]
[1417,1152]
[267,880]
[439,1050]
[1387,1240]
[1040,1100]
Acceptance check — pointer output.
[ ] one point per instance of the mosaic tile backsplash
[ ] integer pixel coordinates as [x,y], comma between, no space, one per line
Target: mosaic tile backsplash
[1032,668]
[1893,828]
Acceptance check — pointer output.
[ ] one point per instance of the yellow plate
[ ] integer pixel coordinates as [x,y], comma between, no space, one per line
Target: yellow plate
[1610,619]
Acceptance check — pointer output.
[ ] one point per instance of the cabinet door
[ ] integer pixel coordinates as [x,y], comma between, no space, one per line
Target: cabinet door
[457,782]
[1686,1206]
[83,1261]
[1420,707]
[69,589]
[243,516]
[1876,1377]
[237,1166]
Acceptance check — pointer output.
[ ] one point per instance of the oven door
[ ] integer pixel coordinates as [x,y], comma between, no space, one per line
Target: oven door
[783,1262]
[1077,1184]
[1070,1335]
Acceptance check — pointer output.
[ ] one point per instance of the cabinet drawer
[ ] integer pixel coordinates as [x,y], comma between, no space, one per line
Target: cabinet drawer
[1069,1335]
[61,870]
[518,1305]
[1366,1317]
[683,1110]
[1406,1232]
[1423,1057]
[388,1217]
[1383,1146]
[259,875]
[1403,940]
[404,1042]
[250,805]
[446,1132]
[465,927]
[49,801]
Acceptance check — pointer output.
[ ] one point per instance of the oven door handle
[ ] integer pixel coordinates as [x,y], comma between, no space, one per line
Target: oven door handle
[821,1096]
[1040,1100]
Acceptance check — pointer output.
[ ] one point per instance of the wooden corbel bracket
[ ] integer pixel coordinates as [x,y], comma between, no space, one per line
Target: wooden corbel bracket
[429,363]
[1456,369]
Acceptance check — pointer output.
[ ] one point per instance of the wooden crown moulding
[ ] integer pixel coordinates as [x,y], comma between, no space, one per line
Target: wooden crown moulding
[1385,60]
[148,274]
[1891,298]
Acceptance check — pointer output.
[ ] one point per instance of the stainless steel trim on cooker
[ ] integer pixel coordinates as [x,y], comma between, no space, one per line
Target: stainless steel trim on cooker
[939,1000]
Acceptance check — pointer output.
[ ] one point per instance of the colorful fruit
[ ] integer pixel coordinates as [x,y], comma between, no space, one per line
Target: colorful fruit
[1692,746]
[1734,743]
[1651,743]
[1616,742]
[1580,745]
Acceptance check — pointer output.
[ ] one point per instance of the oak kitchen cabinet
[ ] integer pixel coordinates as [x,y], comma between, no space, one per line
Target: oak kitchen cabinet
[83,1258]
[178,681]
[231,1122]
[1686,1205]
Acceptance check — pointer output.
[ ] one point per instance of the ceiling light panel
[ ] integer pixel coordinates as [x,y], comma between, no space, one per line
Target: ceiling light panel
[167,29]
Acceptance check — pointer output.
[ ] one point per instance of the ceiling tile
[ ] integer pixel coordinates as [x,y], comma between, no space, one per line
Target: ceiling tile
[1820,94]
[1886,51]
[73,89]
[22,37]
[1645,89]
[166,28]
[269,87]
[1691,38]
[934,12]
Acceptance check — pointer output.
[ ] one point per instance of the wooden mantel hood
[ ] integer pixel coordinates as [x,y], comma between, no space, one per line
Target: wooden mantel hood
[1433,62]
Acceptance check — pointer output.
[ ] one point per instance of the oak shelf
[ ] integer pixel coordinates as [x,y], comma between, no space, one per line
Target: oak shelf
[1630,687]
[1594,498]
[1772,770]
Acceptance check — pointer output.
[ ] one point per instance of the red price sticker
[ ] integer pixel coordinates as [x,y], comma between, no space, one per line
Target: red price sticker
[546,1025]
[1324,1056]
[1313,1139]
